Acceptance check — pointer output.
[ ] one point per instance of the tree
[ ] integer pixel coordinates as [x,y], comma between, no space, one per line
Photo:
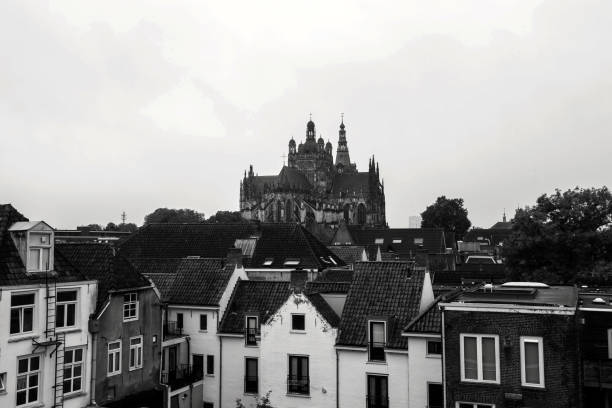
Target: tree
[226,217]
[564,238]
[127,227]
[170,215]
[447,213]
[90,227]
[111,226]
[261,402]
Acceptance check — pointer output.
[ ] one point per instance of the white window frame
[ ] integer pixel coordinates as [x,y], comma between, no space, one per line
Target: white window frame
[475,404]
[71,366]
[540,342]
[479,338]
[137,350]
[128,305]
[39,248]
[65,304]
[112,352]
[2,382]
[21,314]
[28,374]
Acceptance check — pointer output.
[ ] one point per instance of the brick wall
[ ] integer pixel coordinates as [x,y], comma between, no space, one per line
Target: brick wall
[560,359]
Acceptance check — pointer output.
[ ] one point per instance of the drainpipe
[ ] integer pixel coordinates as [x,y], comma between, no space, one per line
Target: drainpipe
[220,360]
[443,357]
[92,387]
[337,380]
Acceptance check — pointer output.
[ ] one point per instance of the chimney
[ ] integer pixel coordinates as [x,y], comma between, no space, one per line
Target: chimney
[298,280]
[234,257]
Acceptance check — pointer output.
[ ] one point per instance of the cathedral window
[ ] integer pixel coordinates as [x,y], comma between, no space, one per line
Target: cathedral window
[361,214]
[347,213]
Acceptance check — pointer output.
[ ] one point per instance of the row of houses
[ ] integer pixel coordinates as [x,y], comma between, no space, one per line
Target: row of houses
[196,315]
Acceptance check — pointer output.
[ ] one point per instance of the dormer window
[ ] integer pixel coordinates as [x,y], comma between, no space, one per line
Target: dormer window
[377,340]
[418,241]
[39,252]
[250,335]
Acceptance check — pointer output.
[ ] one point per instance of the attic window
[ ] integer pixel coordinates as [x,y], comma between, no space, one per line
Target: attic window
[333,261]
[39,252]
[291,262]
[379,240]
[418,241]
[268,261]
[397,240]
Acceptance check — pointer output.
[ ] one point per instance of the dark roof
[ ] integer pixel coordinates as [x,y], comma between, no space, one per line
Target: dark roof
[348,183]
[195,282]
[12,269]
[404,245]
[327,287]
[348,253]
[596,298]
[260,184]
[387,290]
[467,274]
[253,298]
[324,309]
[336,275]
[493,236]
[293,179]
[275,242]
[502,225]
[429,321]
[98,262]
[556,296]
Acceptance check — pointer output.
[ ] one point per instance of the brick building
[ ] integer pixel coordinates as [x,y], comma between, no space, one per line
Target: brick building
[513,345]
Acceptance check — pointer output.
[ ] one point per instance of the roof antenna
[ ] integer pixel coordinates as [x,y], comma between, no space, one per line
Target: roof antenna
[123,217]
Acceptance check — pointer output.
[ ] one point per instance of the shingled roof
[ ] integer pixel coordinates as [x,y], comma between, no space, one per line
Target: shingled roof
[195,282]
[348,253]
[253,298]
[293,179]
[403,241]
[348,183]
[12,269]
[381,290]
[97,261]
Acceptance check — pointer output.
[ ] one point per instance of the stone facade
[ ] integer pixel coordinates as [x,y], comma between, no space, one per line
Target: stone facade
[312,189]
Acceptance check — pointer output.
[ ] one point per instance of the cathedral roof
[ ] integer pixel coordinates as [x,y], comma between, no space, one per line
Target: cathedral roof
[294,179]
[351,182]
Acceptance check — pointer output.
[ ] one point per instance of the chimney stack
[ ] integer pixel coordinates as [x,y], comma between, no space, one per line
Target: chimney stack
[298,280]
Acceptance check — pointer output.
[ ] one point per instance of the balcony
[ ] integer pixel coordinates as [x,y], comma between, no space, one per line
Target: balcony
[171,329]
[298,385]
[598,373]
[250,337]
[377,401]
[376,351]
[251,384]
[181,376]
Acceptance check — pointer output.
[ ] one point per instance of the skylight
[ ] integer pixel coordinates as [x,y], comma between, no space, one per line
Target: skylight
[268,261]
[418,241]
[291,262]
[379,240]
[397,240]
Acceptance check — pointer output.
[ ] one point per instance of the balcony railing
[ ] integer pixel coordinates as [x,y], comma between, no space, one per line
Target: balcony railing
[377,401]
[376,351]
[250,337]
[251,384]
[172,329]
[181,376]
[298,385]
[598,373]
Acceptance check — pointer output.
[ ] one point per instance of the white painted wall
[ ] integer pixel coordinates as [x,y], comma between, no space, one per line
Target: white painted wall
[14,346]
[278,342]
[423,369]
[353,371]
[234,352]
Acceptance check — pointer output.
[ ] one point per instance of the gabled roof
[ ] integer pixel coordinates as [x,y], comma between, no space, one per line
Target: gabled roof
[253,298]
[402,241]
[293,179]
[97,261]
[427,322]
[261,183]
[381,290]
[348,253]
[348,183]
[12,269]
[198,282]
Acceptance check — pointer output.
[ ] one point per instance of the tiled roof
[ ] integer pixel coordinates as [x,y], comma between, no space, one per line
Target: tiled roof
[259,298]
[293,179]
[261,183]
[327,287]
[386,290]
[348,253]
[195,282]
[430,321]
[324,309]
[348,183]
[12,269]
[98,262]
[336,275]
[402,241]
[275,242]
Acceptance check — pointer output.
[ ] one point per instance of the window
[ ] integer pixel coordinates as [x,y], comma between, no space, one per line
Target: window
[66,309]
[473,405]
[377,339]
[209,405]
[361,214]
[532,362]
[203,322]
[251,380]
[73,370]
[434,347]
[268,261]
[198,366]
[130,307]
[39,252]
[179,321]
[298,322]
[135,353]
[291,262]
[480,358]
[418,241]
[114,358]
[22,313]
[298,381]
[397,240]
[378,391]
[435,395]
[251,330]
[28,380]
[210,365]
[379,240]
[2,382]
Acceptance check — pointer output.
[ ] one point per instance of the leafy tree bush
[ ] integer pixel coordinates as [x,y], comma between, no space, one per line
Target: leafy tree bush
[447,213]
[261,402]
[170,215]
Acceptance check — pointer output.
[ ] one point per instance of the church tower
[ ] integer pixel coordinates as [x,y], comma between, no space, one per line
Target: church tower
[343,159]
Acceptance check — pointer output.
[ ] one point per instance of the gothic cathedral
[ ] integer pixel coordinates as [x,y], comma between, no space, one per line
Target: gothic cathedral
[313,190]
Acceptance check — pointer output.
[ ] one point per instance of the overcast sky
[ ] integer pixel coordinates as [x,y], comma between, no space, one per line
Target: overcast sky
[115,106]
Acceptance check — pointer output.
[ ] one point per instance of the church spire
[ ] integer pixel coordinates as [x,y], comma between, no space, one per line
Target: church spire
[343,159]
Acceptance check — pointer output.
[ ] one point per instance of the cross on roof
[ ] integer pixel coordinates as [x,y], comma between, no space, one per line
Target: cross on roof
[310,114]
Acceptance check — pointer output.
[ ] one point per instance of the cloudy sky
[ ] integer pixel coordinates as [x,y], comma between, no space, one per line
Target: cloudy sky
[118,106]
